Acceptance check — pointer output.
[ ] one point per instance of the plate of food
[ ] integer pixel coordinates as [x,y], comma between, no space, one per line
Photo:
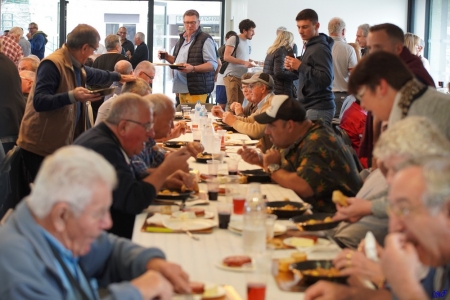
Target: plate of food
[192,224]
[257,175]
[193,213]
[236,227]
[315,222]
[174,144]
[306,243]
[235,263]
[207,290]
[173,195]
[287,209]
[314,270]
[204,157]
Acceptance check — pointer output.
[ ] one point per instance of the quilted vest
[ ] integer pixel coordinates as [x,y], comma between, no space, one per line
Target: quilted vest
[198,83]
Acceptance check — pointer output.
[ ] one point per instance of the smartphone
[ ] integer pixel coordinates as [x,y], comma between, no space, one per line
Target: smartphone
[290,53]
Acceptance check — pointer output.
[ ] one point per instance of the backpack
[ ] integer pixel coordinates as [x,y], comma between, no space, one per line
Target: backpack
[225,63]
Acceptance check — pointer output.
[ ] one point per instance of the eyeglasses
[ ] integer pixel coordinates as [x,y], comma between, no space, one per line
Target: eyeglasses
[150,77]
[32,28]
[95,48]
[361,92]
[122,32]
[147,126]
[401,211]
[190,23]
[246,87]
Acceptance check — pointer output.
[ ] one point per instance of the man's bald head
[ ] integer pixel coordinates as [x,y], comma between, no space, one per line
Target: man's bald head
[123,67]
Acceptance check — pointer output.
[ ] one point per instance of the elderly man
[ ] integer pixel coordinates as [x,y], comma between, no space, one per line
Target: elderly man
[418,225]
[141,52]
[344,59]
[28,64]
[307,156]
[411,138]
[315,69]
[387,88]
[54,245]
[152,156]
[361,38]
[56,112]
[139,87]
[123,134]
[196,51]
[28,79]
[261,85]
[126,44]
[11,47]
[122,67]
[38,40]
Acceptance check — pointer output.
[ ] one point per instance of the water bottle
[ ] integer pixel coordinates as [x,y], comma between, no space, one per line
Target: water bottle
[204,111]
[254,228]
[198,108]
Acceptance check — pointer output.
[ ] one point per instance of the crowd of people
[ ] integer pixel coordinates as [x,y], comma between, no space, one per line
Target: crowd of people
[86,164]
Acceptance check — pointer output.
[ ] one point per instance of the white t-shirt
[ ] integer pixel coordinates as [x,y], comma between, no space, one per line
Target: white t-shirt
[243,52]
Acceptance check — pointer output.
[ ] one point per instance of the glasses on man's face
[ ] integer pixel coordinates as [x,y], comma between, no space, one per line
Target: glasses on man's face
[122,32]
[360,93]
[190,23]
[149,77]
[94,48]
[32,28]
[244,87]
[147,126]
[401,210]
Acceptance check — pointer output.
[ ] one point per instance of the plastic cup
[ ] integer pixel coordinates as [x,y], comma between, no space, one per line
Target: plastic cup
[162,53]
[196,134]
[186,112]
[213,167]
[224,213]
[238,194]
[256,279]
[221,134]
[233,166]
[213,188]
[270,224]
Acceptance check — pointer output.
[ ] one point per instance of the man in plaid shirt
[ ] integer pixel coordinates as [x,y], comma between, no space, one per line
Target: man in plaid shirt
[11,47]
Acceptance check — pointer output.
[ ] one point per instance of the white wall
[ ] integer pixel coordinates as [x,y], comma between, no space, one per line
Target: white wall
[268,15]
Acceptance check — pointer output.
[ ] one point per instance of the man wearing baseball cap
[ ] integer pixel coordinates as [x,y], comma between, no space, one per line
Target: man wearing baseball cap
[306,157]
[261,86]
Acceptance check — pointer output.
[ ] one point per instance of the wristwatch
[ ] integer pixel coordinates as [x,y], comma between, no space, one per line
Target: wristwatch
[273,168]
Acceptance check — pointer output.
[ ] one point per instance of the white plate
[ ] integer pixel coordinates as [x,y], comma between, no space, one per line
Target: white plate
[322,244]
[220,265]
[220,291]
[236,227]
[207,215]
[195,224]
[239,143]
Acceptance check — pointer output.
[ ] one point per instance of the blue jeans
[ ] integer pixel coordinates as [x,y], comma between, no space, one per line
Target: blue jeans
[325,115]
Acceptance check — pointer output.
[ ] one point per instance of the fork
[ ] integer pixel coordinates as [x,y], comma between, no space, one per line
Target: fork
[190,234]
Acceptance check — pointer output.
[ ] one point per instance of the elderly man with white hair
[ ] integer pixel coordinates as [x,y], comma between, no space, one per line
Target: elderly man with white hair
[141,51]
[54,246]
[11,47]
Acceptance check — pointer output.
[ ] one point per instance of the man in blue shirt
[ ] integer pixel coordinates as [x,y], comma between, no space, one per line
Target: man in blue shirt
[196,52]
[55,246]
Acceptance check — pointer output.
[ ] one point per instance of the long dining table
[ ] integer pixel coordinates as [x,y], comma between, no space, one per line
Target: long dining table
[200,258]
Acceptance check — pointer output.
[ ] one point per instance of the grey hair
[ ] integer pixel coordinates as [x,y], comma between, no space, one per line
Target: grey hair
[412,137]
[16,30]
[32,56]
[336,25]
[123,67]
[34,63]
[28,74]
[126,106]
[144,66]
[111,42]
[70,175]
[365,29]
[141,36]
[160,102]
[81,35]
[139,86]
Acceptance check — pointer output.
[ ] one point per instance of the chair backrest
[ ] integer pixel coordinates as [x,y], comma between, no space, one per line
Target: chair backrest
[208,106]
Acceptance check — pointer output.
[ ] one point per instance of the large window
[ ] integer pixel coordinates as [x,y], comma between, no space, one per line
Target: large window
[439,40]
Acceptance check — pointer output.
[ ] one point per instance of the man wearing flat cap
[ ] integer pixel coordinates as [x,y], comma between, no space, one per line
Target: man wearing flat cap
[306,156]
[261,86]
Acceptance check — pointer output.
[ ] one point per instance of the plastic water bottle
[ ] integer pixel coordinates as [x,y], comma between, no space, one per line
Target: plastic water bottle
[204,111]
[254,229]
[198,108]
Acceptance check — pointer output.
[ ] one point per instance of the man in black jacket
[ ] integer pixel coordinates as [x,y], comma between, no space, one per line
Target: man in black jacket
[141,52]
[123,134]
[196,52]
[314,68]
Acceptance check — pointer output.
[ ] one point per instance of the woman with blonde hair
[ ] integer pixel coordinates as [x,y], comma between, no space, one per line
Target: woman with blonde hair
[274,64]
[415,45]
